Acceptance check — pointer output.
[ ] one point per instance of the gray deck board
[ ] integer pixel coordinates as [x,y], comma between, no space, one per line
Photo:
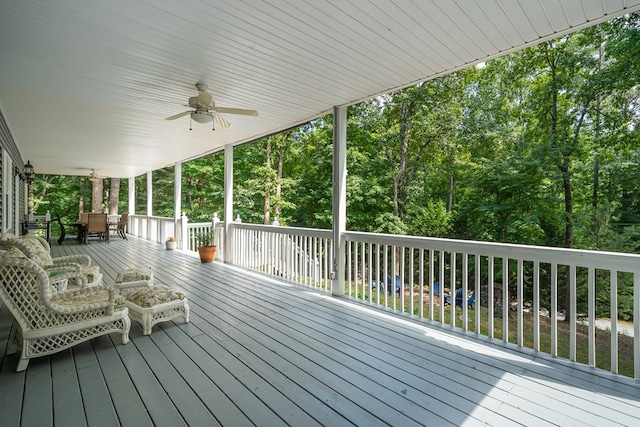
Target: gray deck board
[37,409]
[96,398]
[124,396]
[66,391]
[183,397]
[154,397]
[259,351]
[11,383]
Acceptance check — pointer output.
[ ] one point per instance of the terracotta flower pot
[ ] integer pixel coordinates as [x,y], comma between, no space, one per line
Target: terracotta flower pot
[207,253]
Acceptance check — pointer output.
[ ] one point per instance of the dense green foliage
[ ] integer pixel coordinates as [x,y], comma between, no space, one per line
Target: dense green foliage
[538,147]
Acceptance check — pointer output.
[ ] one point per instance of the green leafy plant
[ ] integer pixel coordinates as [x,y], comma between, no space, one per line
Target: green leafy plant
[203,238]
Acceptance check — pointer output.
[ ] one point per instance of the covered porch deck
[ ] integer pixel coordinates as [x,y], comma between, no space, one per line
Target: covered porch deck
[259,351]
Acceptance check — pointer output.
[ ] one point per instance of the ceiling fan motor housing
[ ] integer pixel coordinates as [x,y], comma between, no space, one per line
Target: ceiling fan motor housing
[201,117]
[193,102]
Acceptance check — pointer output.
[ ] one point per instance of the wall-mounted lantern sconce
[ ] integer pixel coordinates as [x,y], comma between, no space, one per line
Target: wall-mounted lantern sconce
[29,173]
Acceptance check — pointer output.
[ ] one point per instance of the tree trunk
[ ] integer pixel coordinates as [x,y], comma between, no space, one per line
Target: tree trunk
[96,195]
[568,203]
[450,187]
[399,180]
[596,162]
[41,196]
[282,150]
[565,169]
[114,196]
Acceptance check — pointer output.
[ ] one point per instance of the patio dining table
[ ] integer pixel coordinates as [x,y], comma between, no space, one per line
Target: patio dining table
[81,226]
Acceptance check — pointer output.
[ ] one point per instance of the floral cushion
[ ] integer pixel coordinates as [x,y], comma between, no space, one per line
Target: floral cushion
[153,295]
[5,240]
[13,252]
[79,299]
[40,255]
[133,275]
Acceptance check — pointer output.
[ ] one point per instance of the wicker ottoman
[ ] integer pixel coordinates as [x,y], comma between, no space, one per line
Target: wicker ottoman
[153,304]
[133,278]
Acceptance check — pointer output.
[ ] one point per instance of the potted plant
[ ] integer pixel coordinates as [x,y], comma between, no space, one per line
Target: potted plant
[206,248]
[171,243]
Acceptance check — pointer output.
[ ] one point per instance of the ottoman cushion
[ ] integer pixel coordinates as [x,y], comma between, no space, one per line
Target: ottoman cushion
[153,295]
[133,275]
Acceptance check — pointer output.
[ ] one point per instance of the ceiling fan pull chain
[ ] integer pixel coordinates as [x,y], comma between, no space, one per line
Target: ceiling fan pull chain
[190,123]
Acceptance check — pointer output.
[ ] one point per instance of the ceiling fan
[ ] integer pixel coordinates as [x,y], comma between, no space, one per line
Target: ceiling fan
[205,110]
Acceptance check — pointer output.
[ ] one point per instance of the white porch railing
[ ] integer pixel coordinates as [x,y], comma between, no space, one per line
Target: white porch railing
[154,228]
[399,272]
[299,254]
[158,229]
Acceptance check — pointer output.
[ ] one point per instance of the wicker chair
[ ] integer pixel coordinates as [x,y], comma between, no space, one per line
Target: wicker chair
[45,321]
[38,250]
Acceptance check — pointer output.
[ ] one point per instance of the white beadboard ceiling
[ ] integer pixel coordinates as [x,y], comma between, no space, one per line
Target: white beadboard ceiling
[87,84]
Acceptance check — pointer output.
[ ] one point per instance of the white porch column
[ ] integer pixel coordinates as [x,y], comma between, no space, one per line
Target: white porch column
[177,203]
[339,197]
[132,195]
[149,194]
[148,232]
[228,200]
[177,191]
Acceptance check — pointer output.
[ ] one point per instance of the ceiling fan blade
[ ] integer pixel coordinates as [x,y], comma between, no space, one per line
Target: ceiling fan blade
[177,116]
[221,120]
[204,99]
[237,111]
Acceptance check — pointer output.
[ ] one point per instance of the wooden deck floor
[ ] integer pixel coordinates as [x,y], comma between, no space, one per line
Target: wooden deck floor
[267,353]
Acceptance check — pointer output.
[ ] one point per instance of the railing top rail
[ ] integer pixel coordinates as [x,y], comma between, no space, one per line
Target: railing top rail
[561,256]
[295,231]
[199,224]
[151,217]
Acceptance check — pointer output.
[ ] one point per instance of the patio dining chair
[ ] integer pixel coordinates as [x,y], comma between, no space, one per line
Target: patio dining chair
[120,227]
[97,226]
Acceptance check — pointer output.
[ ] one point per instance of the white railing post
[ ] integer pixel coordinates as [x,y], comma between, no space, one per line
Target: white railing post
[184,232]
[214,223]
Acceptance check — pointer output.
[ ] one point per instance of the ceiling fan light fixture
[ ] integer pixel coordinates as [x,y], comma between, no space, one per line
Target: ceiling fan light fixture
[201,117]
